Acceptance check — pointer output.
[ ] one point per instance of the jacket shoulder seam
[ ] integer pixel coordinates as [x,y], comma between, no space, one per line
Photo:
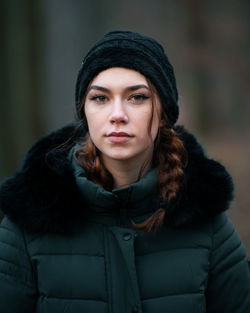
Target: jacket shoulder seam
[12,278]
[12,263]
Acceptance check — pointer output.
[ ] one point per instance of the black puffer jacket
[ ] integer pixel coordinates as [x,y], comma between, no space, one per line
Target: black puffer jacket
[66,244]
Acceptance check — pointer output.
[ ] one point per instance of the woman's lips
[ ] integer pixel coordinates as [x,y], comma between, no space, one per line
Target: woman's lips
[119,137]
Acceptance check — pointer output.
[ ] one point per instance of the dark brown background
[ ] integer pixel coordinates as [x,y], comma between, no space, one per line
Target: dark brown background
[42,44]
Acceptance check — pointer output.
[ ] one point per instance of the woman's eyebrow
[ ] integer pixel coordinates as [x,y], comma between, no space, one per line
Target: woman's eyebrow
[135,87]
[95,87]
[129,88]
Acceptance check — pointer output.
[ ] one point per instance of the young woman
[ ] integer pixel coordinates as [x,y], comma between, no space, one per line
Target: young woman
[122,212]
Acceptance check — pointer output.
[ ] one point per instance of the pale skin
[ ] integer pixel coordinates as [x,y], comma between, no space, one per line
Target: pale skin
[118,109]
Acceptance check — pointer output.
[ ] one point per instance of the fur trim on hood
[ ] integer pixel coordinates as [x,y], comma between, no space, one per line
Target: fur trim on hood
[42,195]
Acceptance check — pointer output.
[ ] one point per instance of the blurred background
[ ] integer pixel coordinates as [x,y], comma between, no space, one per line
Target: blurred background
[207,41]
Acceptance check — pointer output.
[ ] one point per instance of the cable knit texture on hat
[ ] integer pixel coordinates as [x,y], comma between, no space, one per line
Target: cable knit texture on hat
[134,51]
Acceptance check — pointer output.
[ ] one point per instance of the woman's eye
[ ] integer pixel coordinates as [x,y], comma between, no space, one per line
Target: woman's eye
[98,98]
[139,97]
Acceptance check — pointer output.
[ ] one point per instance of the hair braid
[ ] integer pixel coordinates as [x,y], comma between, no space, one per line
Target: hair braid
[171,157]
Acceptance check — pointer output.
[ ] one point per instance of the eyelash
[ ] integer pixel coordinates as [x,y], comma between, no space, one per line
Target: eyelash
[139,97]
[135,98]
[98,98]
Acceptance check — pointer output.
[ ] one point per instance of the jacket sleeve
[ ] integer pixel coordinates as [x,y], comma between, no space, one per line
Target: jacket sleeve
[229,279]
[17,284]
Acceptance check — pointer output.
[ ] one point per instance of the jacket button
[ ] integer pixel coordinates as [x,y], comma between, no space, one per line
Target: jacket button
[127,236]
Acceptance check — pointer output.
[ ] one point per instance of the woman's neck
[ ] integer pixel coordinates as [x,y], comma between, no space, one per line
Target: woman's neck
[125,173]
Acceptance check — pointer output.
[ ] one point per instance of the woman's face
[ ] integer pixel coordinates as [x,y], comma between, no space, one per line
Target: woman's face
[119,111]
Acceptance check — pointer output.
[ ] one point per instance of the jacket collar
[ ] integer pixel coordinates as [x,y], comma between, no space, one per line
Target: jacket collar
[42,196]
[121,205]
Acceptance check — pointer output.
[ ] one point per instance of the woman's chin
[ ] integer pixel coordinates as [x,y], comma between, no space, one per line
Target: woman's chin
[126,155]
[119,157]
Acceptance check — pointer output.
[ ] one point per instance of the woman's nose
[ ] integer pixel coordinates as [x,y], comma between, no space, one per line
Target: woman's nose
[118,113]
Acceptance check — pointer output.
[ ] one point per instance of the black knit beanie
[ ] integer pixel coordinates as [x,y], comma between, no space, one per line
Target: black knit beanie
[134,51]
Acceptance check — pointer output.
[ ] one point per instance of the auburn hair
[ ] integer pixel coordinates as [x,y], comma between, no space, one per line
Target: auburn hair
[170,157]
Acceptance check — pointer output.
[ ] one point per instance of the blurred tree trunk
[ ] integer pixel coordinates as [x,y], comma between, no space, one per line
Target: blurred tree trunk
[199,80]
[21,88]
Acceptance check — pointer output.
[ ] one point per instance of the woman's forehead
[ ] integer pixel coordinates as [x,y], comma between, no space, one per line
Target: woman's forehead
[119,76]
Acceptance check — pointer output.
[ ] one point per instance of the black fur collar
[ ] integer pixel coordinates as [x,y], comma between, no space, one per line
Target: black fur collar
[42,196]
